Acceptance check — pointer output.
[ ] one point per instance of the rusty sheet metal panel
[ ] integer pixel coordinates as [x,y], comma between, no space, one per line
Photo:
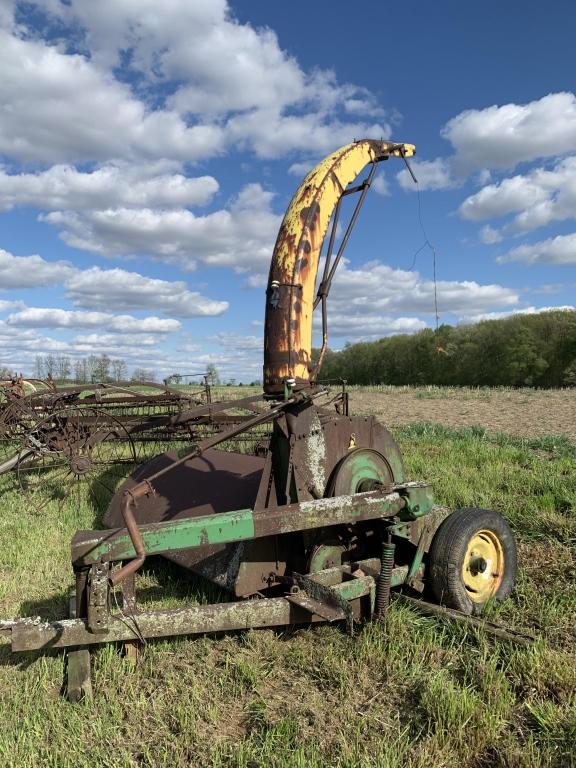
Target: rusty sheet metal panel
[218,481]
[292,278]
[318,450]
[308,447]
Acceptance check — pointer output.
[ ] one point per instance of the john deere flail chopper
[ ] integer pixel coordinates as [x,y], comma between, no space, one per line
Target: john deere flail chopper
[318,529]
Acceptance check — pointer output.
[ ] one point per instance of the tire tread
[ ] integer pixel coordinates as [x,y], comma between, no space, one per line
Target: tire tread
[449,546]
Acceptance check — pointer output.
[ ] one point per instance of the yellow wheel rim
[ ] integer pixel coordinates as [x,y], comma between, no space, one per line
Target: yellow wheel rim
[483,566]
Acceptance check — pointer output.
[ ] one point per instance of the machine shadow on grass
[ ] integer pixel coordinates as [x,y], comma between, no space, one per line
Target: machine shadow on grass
[21,661]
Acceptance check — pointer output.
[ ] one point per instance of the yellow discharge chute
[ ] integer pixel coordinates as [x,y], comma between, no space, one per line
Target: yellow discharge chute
[292,279]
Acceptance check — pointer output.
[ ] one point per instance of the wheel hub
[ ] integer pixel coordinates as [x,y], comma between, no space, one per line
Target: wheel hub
[80,465]
[483,566]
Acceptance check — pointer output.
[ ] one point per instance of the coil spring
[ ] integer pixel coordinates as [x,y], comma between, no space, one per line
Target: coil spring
[384,579]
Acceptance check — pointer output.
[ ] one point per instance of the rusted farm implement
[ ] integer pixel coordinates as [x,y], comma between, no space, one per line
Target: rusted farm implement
[142,408]
[320,528]
[51,437]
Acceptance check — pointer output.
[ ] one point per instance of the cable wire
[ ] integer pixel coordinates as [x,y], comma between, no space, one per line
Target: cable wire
[433,249]
[425,244]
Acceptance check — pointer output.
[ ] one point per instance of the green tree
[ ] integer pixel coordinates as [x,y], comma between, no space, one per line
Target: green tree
[6,373]
[81,371]
[142,374]
[522,350]
[102,369]
[63,367]
[569,377]
[39,367]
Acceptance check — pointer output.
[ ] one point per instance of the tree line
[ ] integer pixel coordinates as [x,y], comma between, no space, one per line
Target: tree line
[536,350]
[95,369]
[87,370]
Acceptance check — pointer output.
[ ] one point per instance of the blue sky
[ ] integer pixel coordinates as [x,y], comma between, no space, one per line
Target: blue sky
[148,151]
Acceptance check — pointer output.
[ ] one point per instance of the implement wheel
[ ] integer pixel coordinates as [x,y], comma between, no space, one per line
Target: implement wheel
[472,559]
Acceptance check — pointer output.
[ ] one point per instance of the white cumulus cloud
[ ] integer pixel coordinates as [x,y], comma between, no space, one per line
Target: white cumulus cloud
[503,136]
[376,286]
[380,185]
[555,250]
[476,318]
[489,235]
[538,198]
[61,107]
[241,236]
[431,174]
[107,341]
[64,187]
[49,317]
[97,288]
[31,271]
[252,93]
[270,134]
[235,341]
[367,327]
[375,300]
[6,306]
[499,137]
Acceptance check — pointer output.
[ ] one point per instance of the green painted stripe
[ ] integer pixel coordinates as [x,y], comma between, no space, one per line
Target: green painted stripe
[180,534]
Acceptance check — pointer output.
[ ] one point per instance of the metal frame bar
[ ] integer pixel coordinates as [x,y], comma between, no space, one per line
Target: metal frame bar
[91,547]
[329,268]
[344,585]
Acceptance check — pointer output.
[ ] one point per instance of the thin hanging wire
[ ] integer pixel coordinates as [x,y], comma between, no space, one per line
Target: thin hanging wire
[433,249]
[426,244]
[130,621]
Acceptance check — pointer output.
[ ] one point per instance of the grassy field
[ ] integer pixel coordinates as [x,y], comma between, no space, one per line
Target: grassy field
[416,692]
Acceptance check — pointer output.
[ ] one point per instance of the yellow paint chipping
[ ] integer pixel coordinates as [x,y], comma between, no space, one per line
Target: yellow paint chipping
[297,252]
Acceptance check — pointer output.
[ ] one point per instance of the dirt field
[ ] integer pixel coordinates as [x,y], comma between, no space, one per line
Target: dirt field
[523,412]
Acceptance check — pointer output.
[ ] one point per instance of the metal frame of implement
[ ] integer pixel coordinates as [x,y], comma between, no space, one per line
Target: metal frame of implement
[342,593]
[94,553]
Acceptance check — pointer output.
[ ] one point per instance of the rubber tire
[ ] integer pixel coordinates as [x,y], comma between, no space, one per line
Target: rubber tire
[449,549]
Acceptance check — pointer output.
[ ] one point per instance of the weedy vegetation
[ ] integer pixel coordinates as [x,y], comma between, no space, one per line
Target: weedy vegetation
[414,691]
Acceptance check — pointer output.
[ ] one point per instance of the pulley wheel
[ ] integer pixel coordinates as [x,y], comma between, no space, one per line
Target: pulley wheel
[363,469]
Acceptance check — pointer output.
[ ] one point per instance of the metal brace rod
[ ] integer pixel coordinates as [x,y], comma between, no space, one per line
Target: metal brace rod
[330,269]
[443,612]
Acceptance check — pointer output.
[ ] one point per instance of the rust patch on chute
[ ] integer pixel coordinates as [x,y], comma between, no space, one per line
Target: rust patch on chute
[292,278]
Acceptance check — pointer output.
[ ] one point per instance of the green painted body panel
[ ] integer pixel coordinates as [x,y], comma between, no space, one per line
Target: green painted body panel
[181,534]
[240,525]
